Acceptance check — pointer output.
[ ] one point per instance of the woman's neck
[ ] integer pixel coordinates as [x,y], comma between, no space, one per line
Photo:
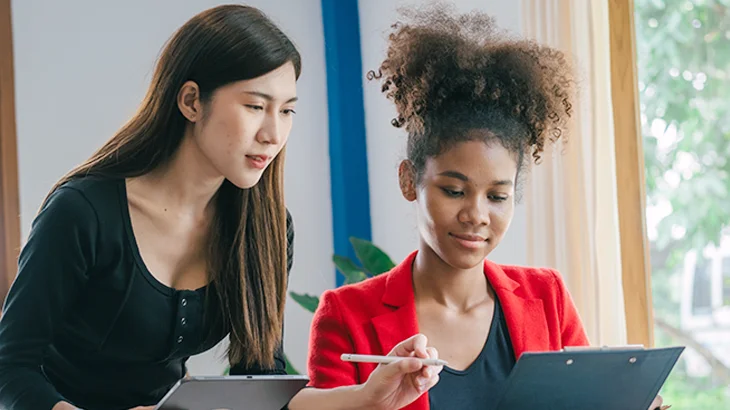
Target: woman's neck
[437,281]
[187,183]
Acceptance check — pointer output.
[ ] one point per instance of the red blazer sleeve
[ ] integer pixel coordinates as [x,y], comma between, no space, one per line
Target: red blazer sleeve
[329,338]
[572,332]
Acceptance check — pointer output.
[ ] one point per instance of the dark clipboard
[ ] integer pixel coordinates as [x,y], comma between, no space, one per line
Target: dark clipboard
[592,378]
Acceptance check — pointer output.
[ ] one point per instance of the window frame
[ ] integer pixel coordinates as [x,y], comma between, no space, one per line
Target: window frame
[9,193]
[630,179]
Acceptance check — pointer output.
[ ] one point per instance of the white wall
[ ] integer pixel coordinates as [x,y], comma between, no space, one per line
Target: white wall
[393,217]
[81,68]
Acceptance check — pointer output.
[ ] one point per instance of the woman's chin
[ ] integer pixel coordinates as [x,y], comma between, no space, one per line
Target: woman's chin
[247,181]
[463,260]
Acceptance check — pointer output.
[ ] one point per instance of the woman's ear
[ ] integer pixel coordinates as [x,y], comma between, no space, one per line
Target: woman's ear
[407,180]
[188,101]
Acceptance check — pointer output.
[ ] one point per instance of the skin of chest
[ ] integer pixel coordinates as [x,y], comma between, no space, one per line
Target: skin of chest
[172,246]
[459,337]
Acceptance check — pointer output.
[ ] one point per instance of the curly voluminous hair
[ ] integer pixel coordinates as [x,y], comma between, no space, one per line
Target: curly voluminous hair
[451,73]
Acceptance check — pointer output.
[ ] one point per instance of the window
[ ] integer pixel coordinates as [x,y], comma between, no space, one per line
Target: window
[725,279]
[683,60]
[701,278]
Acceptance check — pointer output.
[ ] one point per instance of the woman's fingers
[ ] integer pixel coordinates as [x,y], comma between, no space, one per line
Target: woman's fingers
[413,346]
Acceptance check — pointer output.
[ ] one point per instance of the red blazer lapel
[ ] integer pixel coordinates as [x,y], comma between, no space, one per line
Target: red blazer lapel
[401,322]
[392,328]
[525,316]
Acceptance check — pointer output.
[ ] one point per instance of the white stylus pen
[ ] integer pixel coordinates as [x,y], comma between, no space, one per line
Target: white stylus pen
[366,358]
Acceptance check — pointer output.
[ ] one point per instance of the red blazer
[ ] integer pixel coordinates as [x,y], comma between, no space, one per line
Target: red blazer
[372,316]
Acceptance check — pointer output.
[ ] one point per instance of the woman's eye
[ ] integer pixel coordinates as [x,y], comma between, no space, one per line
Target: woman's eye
[452,192]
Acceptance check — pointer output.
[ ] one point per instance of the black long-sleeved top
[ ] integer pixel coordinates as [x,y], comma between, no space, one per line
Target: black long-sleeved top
[86,322]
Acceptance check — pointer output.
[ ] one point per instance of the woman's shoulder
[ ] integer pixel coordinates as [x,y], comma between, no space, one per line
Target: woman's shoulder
[93,188]
[536,280]
[391,288]
[370,288]
[362,299]
[86,198]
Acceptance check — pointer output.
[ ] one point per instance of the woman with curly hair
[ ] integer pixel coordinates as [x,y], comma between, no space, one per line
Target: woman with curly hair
[477,106]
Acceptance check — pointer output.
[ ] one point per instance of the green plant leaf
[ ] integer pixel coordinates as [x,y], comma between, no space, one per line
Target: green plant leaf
[308,302]
[289,367]
[373,259]
[349,270]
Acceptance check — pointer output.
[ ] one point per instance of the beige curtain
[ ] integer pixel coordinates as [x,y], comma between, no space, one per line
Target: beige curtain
[572,213]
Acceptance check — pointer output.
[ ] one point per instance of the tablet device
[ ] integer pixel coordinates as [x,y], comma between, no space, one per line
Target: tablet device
[593,378]
[233,393]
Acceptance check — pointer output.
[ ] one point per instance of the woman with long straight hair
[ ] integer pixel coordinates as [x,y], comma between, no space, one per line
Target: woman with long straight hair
[172,236]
